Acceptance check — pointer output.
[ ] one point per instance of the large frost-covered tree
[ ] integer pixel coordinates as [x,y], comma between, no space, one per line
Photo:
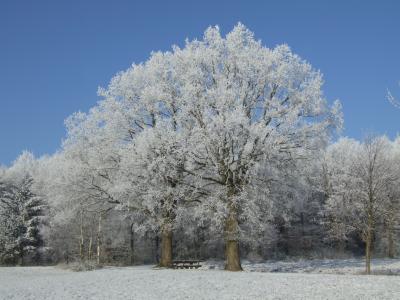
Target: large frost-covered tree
[249,105]
[236,103]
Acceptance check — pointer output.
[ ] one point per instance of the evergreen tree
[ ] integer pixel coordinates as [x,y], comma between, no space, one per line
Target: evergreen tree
[35,211]
[23,216]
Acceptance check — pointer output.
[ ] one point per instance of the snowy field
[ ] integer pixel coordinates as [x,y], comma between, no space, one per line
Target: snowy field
[146,283]
[326,266]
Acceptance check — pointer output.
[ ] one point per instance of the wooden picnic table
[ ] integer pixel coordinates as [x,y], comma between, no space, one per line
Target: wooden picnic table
[186,264]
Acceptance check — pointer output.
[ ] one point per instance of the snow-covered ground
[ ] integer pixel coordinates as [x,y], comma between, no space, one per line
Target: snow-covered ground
[353,266]
[147,283]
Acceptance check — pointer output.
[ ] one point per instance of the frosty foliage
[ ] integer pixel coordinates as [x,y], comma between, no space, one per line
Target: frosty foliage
[361,183]
[24,213]
[229,105]
[220,141]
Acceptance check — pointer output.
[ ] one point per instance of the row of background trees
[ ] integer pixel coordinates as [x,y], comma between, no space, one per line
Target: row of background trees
[221,148]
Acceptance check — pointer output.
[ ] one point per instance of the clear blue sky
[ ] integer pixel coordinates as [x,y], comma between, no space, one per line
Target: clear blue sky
[54,54]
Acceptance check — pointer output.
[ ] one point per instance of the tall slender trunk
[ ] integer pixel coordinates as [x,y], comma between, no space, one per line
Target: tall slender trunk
[20,260]
[166,248]
[232,255]
[66,257]
[303,243]
[90,247]
[368,245]
[390,240]
[156,248]
[368,255]
[81,255]
[132,243]
[391,248]
[369,233]
[99,240]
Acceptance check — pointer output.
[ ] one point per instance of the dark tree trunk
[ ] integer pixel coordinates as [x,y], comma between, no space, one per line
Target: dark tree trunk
[156,248]
[99,233]
[232,255]
[81,241]
[132,244]
[368,251]
[368,256]
[166,248]
[369,235]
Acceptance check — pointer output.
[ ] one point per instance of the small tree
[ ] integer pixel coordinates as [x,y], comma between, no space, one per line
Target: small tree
[155,184]
[360,177]
[35,215]
[338,184]
[12,226]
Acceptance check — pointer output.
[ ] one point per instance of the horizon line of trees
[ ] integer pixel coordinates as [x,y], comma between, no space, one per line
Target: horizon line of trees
[219,148]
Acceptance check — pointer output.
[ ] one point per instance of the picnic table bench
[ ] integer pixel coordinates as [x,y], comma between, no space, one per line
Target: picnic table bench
[186,264]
